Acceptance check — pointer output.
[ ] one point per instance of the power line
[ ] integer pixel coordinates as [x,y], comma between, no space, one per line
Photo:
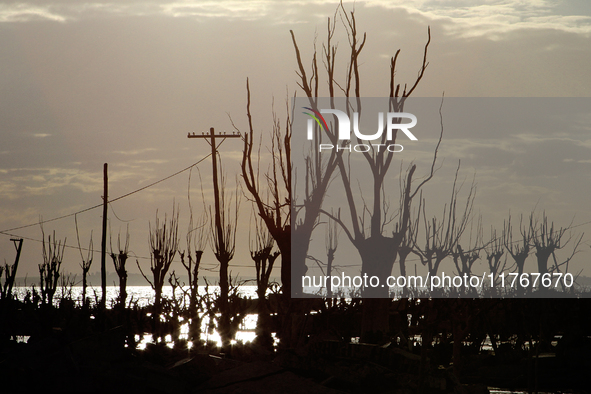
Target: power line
[202,265]
[161,180]
[5,232]
[115,214]
[67,246]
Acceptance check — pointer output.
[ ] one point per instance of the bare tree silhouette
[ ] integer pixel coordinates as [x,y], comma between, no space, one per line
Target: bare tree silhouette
[546,239]
[119,260]
[494,252]
[563,266]
[261,251]
[442,235]
[376,250]
[409,240]
[191,260]
[49,270]
[274,207]
[164,243]
[223,224]
[519,250]
[85,265]
[319,167]
[464,258]
[332,243]
[10,271]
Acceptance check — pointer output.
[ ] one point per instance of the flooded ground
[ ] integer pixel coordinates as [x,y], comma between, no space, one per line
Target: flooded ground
[143,296]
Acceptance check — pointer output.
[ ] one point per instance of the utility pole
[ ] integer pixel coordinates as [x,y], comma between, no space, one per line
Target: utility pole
[216,191]
[104,239]
[222,254]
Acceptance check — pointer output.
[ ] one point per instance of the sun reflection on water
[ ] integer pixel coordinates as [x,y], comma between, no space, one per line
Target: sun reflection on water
[142,296]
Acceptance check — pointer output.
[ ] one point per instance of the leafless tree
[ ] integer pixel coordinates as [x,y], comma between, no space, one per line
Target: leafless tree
[494,252]
[302,218]
[519,249]
[319,167]
[291,222]
[66,281]
[563,266]
[86,263]
[409,239]
[443,235]
[272,206]
[224,219]
[464,258]
[191,260]
[377,251]
[164,243]
[10,271]
[546,239]
[261,251]
[332,243]
[119,260]
[177,303]
[49,270]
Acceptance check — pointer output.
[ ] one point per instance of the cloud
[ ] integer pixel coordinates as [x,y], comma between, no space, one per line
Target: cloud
[26,12]
[218,9]
[134,152]
[493,18]
[26,182]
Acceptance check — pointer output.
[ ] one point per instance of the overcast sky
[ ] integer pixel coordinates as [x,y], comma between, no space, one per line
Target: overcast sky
[87,83]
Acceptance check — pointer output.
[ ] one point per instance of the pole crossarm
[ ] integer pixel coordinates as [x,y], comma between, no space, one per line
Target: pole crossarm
[221,135]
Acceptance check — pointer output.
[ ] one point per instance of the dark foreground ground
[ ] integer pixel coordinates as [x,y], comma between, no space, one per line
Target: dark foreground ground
[97,365]
[542,345]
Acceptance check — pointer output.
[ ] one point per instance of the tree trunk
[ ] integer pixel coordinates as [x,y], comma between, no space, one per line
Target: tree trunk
[377,255]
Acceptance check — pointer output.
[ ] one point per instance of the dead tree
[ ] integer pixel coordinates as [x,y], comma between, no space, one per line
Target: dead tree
[272,199]
[191,260]
[291,222]
[176,304]
[546,239]
[377,252]
[409,240]
[85,265]
[319,167]
[119,260]
[464,258]
[67,281]
[223,223]
[563,267]
[261,251]
[49,270]
[10,271]
[332,243]
[443,235]
[519,249]
[163,247]
[494,252]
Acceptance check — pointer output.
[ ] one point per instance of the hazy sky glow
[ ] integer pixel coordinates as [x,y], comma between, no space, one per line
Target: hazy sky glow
[84,83]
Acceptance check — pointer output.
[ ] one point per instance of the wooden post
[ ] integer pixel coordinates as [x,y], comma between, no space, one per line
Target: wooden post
[104,240]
